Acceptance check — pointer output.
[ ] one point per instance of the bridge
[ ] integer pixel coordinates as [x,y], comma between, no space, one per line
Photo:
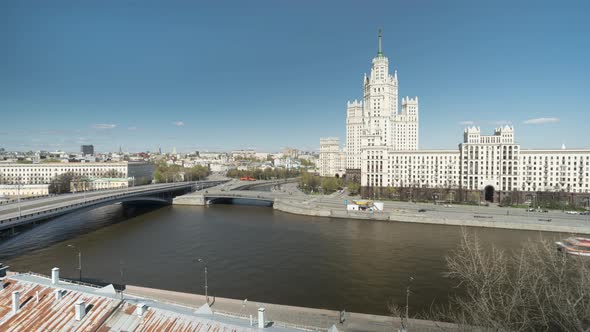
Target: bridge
[237,190]
[31,211]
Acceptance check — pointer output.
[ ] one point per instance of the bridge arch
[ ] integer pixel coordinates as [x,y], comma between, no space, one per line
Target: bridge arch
[238,200]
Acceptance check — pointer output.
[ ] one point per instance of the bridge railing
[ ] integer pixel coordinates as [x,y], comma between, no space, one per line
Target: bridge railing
[88,202]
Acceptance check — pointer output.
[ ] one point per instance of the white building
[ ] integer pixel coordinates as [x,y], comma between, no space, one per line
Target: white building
[29,190]
[383,144]
[487,163]
[43,173]
[332,159]
[376,121]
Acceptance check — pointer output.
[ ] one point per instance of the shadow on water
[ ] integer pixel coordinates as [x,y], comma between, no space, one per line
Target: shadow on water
[68,226]
[242,201]
[255,252]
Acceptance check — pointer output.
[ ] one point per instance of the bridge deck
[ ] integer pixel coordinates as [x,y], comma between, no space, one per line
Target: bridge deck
[15,214]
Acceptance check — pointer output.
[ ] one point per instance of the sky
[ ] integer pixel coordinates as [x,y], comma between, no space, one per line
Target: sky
[226,75]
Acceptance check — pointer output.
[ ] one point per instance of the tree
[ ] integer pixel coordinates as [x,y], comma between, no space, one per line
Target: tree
[64,183]
[112,173]
[174,173]
[330,185]
[306,163]
[196,173]
[390,192]
[267,174]
[536,288]
[354,188]
[309,182]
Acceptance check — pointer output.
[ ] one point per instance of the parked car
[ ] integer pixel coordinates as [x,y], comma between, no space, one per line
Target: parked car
[571,212]
[585,213]
[545,211]
[422,210]
[530,209]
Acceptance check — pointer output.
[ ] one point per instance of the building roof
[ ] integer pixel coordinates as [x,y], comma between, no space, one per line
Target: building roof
[48,314]
[105,310]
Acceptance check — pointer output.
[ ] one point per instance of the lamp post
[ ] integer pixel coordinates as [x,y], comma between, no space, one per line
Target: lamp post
[200,260]
[18,197]
[122,280]
[79,259]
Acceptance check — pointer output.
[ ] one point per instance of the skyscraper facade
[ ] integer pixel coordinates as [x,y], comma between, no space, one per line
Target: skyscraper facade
[382,149]
[376,125]
[87,150]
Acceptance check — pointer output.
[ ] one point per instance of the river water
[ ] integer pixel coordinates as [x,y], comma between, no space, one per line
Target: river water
[253,252]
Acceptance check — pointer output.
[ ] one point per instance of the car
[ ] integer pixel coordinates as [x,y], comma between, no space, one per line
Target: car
[585,213]
[422,210]
[545,211]
[448,205]
[530,210]
[571,212]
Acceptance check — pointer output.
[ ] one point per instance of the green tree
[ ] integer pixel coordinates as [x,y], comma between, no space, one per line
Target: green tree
[196,173]
[309,182]
[267,174]
[112,173]
[64,183]
[306,163]
[330,185]
[354,188]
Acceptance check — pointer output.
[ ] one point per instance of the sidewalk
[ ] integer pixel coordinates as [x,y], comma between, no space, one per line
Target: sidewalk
[298,317]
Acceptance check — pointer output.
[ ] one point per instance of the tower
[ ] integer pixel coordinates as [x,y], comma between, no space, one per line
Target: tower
[375,127]
[380,97]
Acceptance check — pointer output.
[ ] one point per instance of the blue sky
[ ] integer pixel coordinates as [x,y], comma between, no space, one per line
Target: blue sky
[225,75]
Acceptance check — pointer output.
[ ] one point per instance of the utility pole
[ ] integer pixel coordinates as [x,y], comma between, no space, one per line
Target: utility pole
[200,260]
[79,259]
[18,197]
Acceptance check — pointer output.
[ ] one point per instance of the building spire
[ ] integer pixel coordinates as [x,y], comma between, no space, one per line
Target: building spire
[379,52]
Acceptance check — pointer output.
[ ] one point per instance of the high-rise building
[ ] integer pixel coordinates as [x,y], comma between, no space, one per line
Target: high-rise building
[87,150]
[332,159]
[376,122]
[382,150]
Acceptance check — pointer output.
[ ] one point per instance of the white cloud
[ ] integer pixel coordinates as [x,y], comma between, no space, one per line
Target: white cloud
[104,126]
[178,123]
[467,123]
[502,122]
[541,120]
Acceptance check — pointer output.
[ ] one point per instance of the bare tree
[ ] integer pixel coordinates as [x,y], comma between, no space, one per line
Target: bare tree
[536,288]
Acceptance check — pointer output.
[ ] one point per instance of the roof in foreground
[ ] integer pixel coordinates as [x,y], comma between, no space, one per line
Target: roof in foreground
[39,309]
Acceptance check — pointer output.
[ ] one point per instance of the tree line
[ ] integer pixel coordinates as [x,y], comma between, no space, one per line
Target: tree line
[72,182]
[311,183]
[266,174]
[176,173]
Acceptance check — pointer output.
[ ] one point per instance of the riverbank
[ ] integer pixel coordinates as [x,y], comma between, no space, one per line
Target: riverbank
[332,206]
[481,218]
[309,319]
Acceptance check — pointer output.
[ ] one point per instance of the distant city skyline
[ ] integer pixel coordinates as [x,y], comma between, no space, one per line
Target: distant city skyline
[266,75]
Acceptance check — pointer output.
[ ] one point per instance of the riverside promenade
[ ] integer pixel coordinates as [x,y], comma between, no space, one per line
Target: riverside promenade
[291,200]
[301,318]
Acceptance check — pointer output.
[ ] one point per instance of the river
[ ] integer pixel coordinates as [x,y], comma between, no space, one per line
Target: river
[253,252]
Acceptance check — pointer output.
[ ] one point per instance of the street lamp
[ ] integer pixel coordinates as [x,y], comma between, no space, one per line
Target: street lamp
[18,196]
[79,259]
[200,260]
[122,280]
